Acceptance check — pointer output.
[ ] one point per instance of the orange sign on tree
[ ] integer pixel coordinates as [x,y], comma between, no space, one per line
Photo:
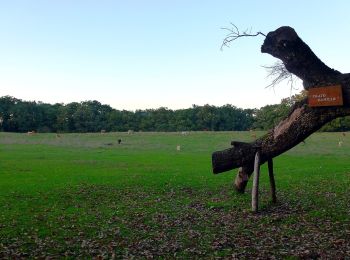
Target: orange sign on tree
[325,96]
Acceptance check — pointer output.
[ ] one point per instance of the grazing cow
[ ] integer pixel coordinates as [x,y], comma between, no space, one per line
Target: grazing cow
[178,148]
[119,141]
[130,132]
[31,132]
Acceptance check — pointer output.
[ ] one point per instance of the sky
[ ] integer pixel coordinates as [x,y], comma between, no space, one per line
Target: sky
[138,54]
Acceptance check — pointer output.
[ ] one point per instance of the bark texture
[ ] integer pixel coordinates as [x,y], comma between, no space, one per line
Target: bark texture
[302,121]
[272,181]
[255,191]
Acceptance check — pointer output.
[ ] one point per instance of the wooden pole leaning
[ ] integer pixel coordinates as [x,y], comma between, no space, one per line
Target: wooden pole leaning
[272,181]
[255,190]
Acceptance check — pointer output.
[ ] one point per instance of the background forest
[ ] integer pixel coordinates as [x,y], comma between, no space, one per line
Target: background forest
[17,115]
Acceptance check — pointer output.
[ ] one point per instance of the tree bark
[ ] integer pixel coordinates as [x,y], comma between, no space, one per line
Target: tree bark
[255,190]
[302,120]
[272,181]
[242,178]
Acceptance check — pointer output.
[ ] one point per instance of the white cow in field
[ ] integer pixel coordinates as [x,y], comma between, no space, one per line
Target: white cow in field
[130,132]
[31,132]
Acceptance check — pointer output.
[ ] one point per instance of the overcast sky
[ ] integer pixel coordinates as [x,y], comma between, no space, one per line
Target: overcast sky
[147,54]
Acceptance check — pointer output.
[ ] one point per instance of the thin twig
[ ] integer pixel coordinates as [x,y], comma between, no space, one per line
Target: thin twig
[277,71]
[280,73]
[234,34]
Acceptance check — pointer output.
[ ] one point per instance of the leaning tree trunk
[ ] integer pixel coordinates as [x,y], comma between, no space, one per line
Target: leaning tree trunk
[302,120]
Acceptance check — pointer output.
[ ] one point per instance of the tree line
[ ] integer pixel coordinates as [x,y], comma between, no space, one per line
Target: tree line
[17,115]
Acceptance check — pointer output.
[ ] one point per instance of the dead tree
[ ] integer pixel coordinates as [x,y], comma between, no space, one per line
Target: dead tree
[302,121]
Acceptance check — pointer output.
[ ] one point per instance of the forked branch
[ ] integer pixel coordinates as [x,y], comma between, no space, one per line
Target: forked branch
[277,71]
[234,34]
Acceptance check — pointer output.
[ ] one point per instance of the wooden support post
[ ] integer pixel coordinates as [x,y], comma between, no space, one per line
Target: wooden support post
[272,180]
[255,191]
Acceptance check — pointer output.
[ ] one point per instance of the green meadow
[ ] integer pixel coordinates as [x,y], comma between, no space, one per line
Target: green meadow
[85,195]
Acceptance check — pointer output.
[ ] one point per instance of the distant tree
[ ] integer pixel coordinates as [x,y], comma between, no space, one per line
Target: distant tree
[340,124]
[65,120]
[234,119]
[26,116]
[92,116]
[270,115]
[7,104]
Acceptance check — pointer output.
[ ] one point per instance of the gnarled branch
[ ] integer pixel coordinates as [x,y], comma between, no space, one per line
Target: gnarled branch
[302,121]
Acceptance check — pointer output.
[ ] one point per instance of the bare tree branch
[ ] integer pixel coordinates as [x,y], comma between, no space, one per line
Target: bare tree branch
[279,73]
[234,34]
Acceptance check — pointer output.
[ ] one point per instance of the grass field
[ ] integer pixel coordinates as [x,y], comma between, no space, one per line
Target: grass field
[83,195]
